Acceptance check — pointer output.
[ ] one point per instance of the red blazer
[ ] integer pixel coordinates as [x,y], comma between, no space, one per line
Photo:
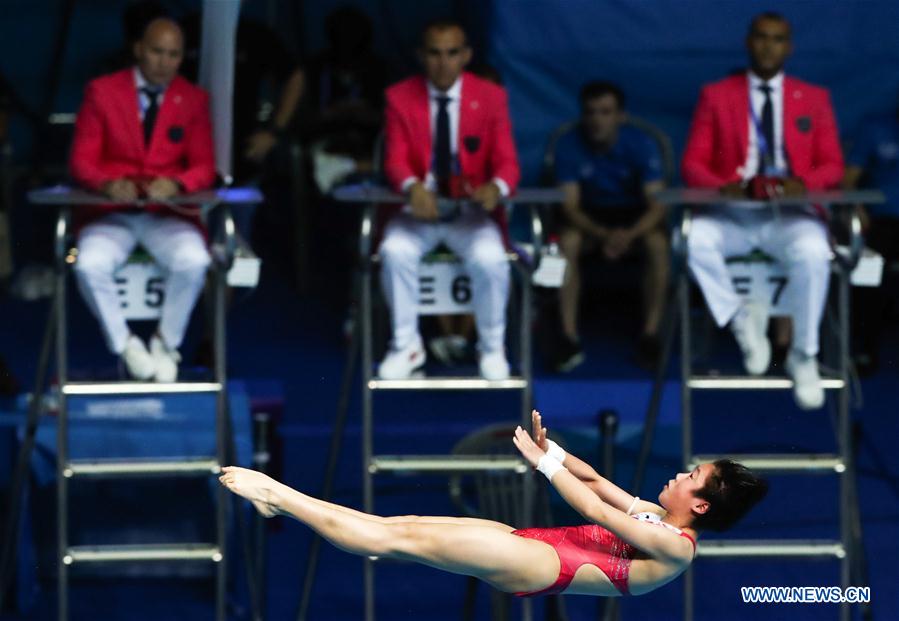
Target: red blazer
[719,137]
[109,136]
[485,145]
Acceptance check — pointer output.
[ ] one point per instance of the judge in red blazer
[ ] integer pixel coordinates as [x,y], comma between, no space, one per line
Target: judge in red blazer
[764,123]
[143,132]
[447,134]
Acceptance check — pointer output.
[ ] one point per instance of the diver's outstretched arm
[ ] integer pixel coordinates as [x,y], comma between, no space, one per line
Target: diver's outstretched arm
[601,486]
[658,543]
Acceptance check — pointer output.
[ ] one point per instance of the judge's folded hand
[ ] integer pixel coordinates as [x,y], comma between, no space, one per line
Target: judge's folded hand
[423,202]
[162,188]
[487,196]
[120,190]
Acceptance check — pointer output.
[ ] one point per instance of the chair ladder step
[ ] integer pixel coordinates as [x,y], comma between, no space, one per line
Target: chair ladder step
[448,383]
[723,548]
[150,468]
[793,462]
[722,382]
[142,553]
[138,388]
[447,463]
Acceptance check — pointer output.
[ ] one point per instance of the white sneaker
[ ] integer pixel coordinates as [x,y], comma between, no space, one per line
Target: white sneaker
[166,360]
[750,326]
[494,365]
[140,364]
[807,389]
[401,363]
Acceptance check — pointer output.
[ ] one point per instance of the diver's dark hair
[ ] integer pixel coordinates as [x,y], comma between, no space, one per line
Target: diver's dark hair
[731,491]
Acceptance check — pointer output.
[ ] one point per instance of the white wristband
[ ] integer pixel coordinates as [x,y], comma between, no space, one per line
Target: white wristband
[555,451]
[549,467]
[633,504]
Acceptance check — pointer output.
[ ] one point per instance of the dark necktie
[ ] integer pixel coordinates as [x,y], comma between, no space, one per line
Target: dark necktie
[150,113]
[766,159]
[442,152]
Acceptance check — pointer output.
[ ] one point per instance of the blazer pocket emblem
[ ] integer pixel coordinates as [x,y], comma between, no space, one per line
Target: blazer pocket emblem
[472,143]
[804,124]
[176,133]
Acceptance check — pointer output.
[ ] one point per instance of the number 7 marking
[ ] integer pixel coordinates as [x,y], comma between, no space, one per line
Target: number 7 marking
[780,283]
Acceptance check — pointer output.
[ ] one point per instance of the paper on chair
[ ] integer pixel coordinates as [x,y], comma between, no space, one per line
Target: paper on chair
[551,271]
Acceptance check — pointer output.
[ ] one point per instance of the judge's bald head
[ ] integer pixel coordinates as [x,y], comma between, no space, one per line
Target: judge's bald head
[160,50]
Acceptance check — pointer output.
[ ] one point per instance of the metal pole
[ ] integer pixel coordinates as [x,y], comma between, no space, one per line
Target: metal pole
[525,273]
[301,216]
[226,447]
[527,395]
[221,423]
[686,403]
[686,354]
[51,85]
[243,530]
[608,428]
[337,435]
[367,361]
[859,563]
[261,461]
[850,514]
[688,594]
[845,442]
[12,525]
[658,386]
[529,503]
[62,433]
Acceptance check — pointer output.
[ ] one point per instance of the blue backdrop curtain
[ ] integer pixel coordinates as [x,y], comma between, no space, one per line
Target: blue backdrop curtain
[662,51]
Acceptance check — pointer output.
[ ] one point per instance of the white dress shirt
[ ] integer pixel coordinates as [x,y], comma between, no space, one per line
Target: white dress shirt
[143,100]
[453,107]
[757,98]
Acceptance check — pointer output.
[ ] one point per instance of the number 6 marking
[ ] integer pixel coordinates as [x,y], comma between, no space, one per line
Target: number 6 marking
[461,289]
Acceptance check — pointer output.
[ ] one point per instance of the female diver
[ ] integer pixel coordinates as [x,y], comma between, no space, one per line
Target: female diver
[628,547]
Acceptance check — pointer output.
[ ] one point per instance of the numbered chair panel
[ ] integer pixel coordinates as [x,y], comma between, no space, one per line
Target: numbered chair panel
[758,277]
[444,287]
[140,285]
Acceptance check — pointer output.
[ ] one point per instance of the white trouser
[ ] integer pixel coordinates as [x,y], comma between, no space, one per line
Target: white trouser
[798,242]
[176,245]
[475,239]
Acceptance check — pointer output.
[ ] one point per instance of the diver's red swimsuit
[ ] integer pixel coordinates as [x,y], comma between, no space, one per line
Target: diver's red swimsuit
[593,544]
